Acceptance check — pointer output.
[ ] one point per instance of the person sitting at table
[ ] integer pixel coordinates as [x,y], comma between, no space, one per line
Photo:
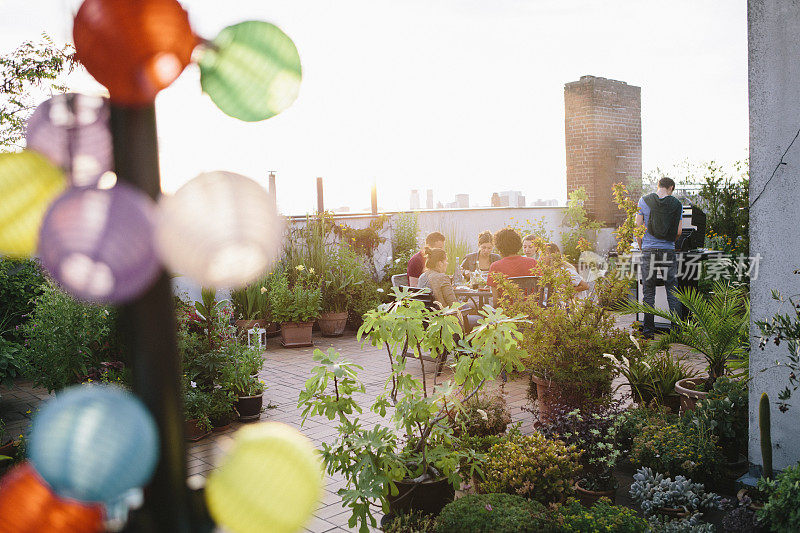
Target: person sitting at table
[508,243]
[483,258]
[529,246]
[552,254]
[435,277]
[416,265]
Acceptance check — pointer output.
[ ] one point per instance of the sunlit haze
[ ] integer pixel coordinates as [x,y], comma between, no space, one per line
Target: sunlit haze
[458,96]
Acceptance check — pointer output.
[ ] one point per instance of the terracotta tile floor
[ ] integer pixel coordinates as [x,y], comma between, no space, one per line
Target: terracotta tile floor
[285,372]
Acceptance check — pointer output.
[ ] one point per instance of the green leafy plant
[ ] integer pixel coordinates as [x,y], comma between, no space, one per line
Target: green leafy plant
[628,231]
[299,302]
[252,302]
[413,522]
[576,239]
[373,460]
[782,510]
[21,282]
[481,416]
[342,274]
[652,491]
[531,466]
[683,448]
[405,228]
[494,513]
[220,406]
[630,422]
[236,377]
[725,411]
[602,517]
[197,405]
[716,326]
[65,337]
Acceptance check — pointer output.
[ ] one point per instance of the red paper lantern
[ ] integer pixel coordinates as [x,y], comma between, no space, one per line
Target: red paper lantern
[133,47]
[27,505]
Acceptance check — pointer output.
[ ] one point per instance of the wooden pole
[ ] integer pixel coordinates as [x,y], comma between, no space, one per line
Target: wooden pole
[320,201]
[149,327]
[374,198]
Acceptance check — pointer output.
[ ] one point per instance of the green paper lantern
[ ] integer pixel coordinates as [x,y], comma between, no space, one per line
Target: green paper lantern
[251,71]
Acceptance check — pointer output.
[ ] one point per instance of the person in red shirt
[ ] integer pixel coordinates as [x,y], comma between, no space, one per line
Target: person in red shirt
[508,243]
[416,265]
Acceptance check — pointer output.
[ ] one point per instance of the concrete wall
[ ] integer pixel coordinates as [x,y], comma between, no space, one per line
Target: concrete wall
[774,79]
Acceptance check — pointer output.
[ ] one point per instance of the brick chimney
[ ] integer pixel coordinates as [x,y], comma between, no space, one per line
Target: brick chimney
[603,132]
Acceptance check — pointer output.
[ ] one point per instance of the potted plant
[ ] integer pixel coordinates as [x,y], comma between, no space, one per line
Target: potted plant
[295,306]
[220,410]
[196,407]
[716,326]
[566,342]
[420,470]
[652,376]
[594,433]
[680,498]
[338,283]
[248,389]
[725,411]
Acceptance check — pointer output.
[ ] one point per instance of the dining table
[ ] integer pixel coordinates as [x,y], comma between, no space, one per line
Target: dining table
[478,297]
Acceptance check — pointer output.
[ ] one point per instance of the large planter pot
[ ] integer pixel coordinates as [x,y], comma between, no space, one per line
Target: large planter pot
[273,329]
[688,393]
[590,497]
[192,431]
[551,394]
[428,497]
[296,334]
[332,324]
[672,401]
[243,325]
[223,422]
[249,407]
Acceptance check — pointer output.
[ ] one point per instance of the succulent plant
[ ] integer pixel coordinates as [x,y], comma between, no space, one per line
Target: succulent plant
[653,490]
[687,524]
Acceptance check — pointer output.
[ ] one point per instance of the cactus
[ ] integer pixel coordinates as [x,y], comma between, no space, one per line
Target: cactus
[766,435]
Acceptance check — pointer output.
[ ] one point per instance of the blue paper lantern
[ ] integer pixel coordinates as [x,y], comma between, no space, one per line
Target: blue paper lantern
[93,443]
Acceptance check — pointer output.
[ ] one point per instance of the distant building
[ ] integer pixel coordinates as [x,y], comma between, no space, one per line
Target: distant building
[414,199]
[496,202]
[509,199]
[343,209]
[462,200]
[544,203]
[429,199]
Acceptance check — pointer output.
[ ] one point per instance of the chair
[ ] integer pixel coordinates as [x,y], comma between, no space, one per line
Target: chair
[426,297]
[399,280]
[530,285]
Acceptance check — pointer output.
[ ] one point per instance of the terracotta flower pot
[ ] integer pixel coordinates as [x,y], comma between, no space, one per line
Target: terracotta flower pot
[296,334]
[273,328]
[688,393]
[223,422]
[332,324]
[192,431]
[590,497]
[551,394]
[243,325]
[428,497]
[249,407]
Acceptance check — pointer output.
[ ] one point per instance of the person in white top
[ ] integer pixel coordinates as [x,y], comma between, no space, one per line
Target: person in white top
[578,282]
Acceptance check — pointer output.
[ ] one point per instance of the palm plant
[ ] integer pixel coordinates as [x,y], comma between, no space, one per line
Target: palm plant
[716,326]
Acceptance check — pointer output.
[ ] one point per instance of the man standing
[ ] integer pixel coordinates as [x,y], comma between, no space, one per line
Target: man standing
[661,215]
[416,265]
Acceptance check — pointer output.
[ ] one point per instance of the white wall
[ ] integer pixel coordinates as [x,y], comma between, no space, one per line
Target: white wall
[774,80]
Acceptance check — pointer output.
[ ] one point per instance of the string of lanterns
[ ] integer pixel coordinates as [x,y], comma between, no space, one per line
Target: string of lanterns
[93,447]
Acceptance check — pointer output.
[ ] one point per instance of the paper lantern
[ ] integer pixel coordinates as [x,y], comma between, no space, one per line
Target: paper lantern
[251,71]
[94,443]
[98,243]
[28,184]
[220,229]
[73,132]
[271,480]
[27,505]
[133,47]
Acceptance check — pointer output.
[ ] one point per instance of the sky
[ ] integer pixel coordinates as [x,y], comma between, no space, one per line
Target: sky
[458,96]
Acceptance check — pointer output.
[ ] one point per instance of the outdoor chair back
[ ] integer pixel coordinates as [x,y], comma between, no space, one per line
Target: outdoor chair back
[399,280]
[530,285]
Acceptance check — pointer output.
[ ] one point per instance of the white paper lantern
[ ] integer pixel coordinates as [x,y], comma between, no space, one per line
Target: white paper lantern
[220,229]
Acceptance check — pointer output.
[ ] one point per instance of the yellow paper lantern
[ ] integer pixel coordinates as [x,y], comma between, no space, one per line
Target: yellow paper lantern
[270,481]
[28,185]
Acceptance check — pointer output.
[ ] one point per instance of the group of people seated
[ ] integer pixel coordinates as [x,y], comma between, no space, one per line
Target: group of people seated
[428,267]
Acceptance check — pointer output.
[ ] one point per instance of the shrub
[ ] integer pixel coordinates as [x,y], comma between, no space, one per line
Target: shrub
[21,283]
[495,513]
[65,338]
[531,466]
[631,421]
[413,522]
[678,449]
[602,517]
[782,510]
[300,301]
[483,416]
[725,411]
[365,297]
[198,405]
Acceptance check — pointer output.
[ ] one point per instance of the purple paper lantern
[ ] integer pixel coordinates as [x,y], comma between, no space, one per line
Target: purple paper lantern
[73,132]
[98,243]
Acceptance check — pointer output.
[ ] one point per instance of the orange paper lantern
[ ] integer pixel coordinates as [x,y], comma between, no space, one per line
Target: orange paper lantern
[27,505]
[133,47]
